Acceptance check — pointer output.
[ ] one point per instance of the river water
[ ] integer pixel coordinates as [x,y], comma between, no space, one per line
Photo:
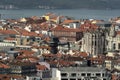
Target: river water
[75,13]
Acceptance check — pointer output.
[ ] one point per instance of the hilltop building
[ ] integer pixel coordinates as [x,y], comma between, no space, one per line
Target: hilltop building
[113,38]
[93,42]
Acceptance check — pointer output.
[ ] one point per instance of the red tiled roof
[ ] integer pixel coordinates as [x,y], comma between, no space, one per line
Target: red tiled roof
[9,38]
[11,20]
[26,33]
[26,53]
[109,58]
[10,76]
[47,39]
[8,32]
[32,59]
[61,63]
[59,55]
[50,14]
[45,26]
[115,77]
[81,54]
[117,32]
[88,26]
[35,17]
[61,28]
[41,47]
[70,21]
[75,58]
[4,66]
[97,60]
[56,17]
[48,55]
[2,54]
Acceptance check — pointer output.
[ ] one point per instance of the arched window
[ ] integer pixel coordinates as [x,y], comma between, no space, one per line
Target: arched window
[114,46]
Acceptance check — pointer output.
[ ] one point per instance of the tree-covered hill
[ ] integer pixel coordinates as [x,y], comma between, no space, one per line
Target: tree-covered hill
[86,4]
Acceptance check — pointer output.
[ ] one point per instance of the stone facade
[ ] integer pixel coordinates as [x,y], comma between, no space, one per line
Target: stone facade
[84,73]
[93,42]
[113,39]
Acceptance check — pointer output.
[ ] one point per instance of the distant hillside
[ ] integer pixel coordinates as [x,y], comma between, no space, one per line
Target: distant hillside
[71,4]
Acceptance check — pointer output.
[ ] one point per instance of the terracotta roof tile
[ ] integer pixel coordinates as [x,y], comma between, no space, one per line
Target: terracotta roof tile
[61,63]
[59,55]
[8,32]
[26,53]
[50,14]
[47,39]
[45,26]
[75,58]
[117,32]
[61,28]
[9,38]
[97,60]
[70,21]
[4,66]
[9,76]
[26,33]
[81,54]
[48,55]
[41,47]
[88,26]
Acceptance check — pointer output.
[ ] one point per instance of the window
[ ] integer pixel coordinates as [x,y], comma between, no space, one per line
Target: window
[98,74]
[83,74]
[27,40]
[73,74]
[72,79]
[95,42]
[21,41]
[64,74]
[92,42]
[103,75]
[114,46]
[64,79]
[118,45]
[88,74]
